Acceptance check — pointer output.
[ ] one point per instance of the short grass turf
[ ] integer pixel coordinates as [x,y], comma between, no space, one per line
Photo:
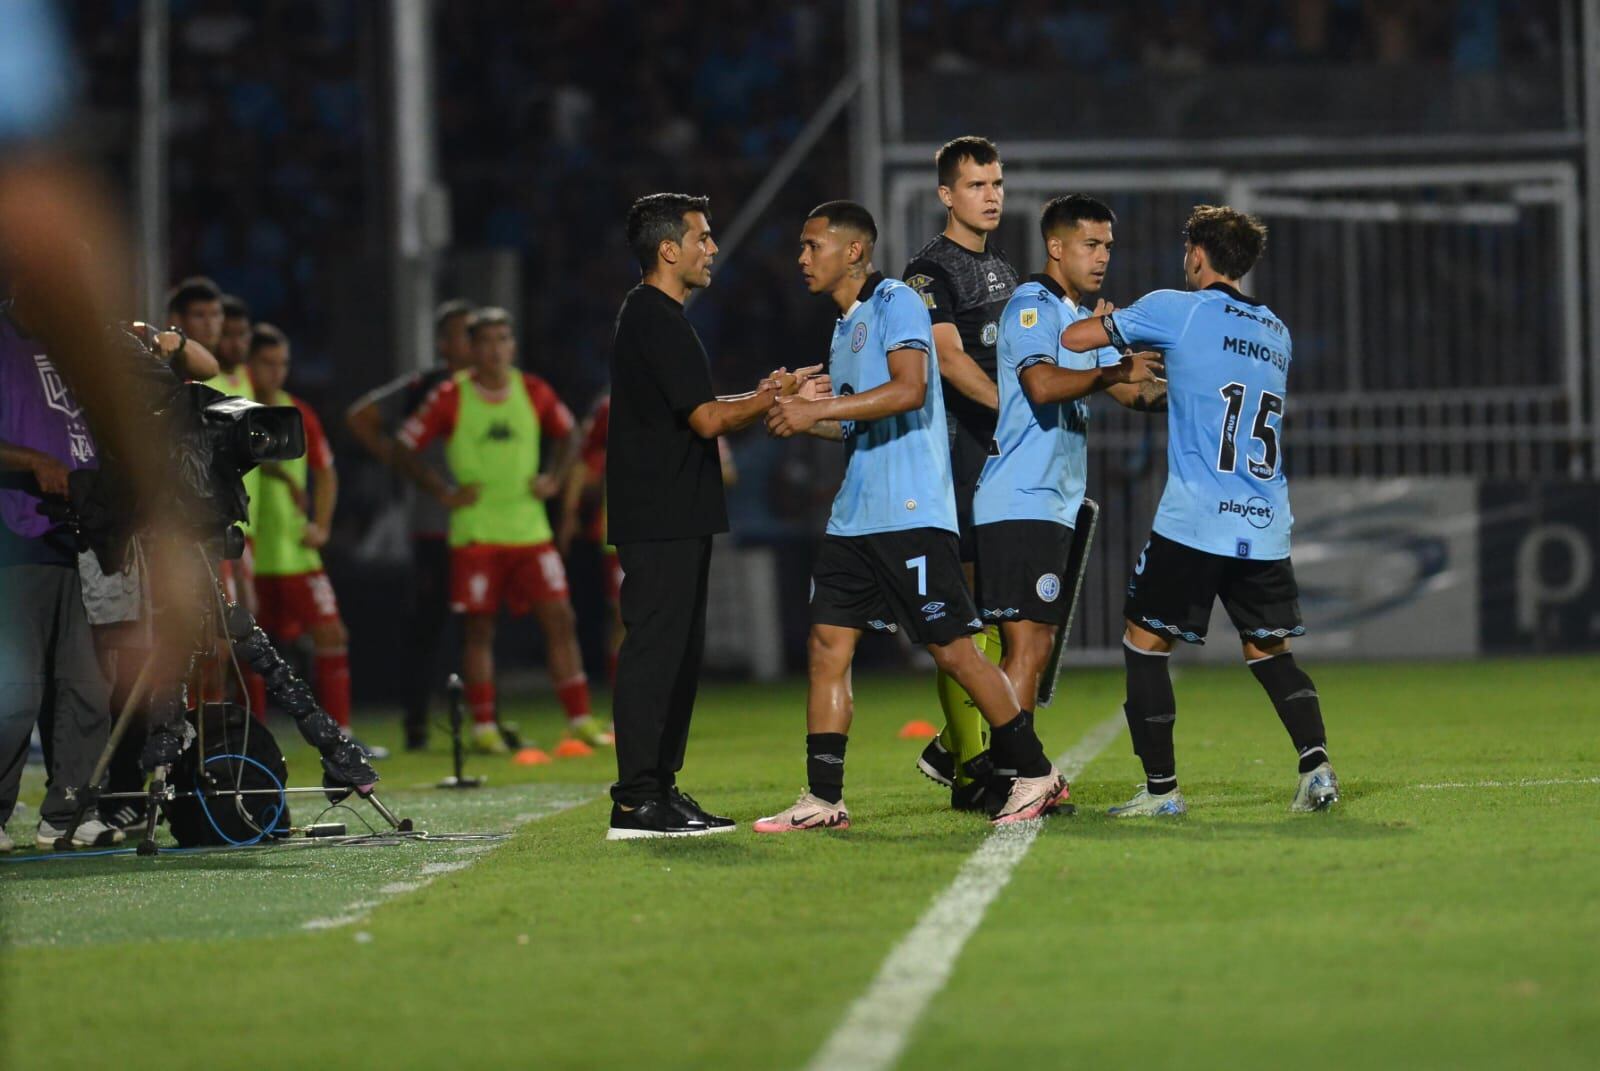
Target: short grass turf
[1444,915]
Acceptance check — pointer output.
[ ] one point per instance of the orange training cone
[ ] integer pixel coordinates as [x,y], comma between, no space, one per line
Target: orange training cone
[573,748]
[531,756]
[918,730]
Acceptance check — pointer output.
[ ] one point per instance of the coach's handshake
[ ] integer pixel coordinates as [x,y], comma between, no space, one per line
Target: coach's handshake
[794,410]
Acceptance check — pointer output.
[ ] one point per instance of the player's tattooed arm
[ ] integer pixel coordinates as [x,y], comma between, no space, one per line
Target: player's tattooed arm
[1149,396]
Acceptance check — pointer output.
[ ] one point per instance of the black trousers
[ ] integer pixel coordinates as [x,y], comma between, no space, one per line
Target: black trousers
[664,587]
[430,615]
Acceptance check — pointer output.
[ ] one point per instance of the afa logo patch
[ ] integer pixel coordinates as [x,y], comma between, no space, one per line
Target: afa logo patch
[1028,317]
[858,337]
[1048,587]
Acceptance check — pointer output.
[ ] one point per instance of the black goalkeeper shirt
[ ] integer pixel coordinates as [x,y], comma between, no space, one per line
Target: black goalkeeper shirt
[969,290]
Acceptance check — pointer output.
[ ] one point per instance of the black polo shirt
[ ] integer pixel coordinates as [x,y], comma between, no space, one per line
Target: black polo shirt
[662,480]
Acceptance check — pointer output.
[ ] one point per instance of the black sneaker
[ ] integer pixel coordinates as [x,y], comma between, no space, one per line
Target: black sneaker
[937,764]
[693,813]
[652,818]
[987,788]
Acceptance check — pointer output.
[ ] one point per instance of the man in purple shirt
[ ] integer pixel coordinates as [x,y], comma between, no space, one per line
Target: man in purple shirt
[48,671]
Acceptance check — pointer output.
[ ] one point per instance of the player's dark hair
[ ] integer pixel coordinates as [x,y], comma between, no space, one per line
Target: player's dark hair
[188,291]
[488,316]
[980,151]
[657,218]
[234,308]
[446,311]
[1233,240]
[264,335]
[847,214]
[1070,210]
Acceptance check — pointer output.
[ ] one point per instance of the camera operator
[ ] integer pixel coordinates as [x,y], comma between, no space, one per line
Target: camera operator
[48,668]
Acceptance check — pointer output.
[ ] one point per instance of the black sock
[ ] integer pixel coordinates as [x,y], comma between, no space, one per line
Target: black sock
[1294,697]
[1000,769]
[825,765]
[1151,711]
[1016,747]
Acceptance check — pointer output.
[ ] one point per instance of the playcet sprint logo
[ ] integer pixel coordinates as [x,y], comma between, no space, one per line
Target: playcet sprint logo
[1258,511]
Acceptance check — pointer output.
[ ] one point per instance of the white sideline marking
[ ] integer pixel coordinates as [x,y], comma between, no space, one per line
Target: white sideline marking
[356,911]
[1524,783]
[877,1026]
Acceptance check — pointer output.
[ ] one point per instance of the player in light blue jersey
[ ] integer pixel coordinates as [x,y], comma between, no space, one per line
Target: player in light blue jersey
[1223,525]
[890,559]
[1032,486]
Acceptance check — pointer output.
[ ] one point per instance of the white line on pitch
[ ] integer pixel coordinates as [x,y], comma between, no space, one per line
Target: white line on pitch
[878,1025]
[429,871]
[1525,783]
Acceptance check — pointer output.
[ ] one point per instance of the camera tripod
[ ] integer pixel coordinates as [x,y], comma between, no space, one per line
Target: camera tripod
[345,769]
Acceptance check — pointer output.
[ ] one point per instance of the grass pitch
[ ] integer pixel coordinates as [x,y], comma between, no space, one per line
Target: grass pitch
[1445,915]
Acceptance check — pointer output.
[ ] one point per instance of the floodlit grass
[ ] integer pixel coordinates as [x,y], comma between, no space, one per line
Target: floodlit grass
[1413,927]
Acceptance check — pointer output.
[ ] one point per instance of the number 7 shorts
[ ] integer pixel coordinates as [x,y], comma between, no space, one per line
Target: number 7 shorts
[889,581]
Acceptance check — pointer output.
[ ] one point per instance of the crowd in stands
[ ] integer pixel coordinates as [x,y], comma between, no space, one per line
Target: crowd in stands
[1178,35]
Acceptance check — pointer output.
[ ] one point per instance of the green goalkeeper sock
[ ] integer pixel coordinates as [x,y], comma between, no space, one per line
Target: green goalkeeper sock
[965,733]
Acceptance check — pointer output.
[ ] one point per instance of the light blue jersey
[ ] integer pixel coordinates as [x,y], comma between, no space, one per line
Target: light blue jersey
[1227,360]
[1037,469]
[898,472]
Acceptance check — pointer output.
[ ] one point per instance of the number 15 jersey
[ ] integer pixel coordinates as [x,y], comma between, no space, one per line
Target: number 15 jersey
[1227,360]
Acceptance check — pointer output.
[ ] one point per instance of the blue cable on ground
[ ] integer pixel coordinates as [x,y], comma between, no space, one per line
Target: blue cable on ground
[267,826]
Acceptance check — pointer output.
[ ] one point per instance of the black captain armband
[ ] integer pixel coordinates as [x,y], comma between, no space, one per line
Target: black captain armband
[1117,341]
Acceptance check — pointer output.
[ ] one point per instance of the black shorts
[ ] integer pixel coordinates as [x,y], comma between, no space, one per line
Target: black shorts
[1173,587]
[1022,571]
[969,449]
[890,581]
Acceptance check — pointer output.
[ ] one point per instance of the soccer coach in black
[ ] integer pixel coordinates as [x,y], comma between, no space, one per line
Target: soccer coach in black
[664,502]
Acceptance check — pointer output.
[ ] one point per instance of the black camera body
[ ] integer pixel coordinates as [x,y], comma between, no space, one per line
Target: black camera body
[213,440]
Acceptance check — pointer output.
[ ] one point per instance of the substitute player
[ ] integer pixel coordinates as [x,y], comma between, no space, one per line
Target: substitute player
[587,480]
[890,558]
[1032,486]
[373,419]
[296,599]
[501,551]
[1222,529]
[965,282]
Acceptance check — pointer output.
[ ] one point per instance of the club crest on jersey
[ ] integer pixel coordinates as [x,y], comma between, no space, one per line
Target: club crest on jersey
[1048,587]
[1028,317]
[991,331]
[858,337]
